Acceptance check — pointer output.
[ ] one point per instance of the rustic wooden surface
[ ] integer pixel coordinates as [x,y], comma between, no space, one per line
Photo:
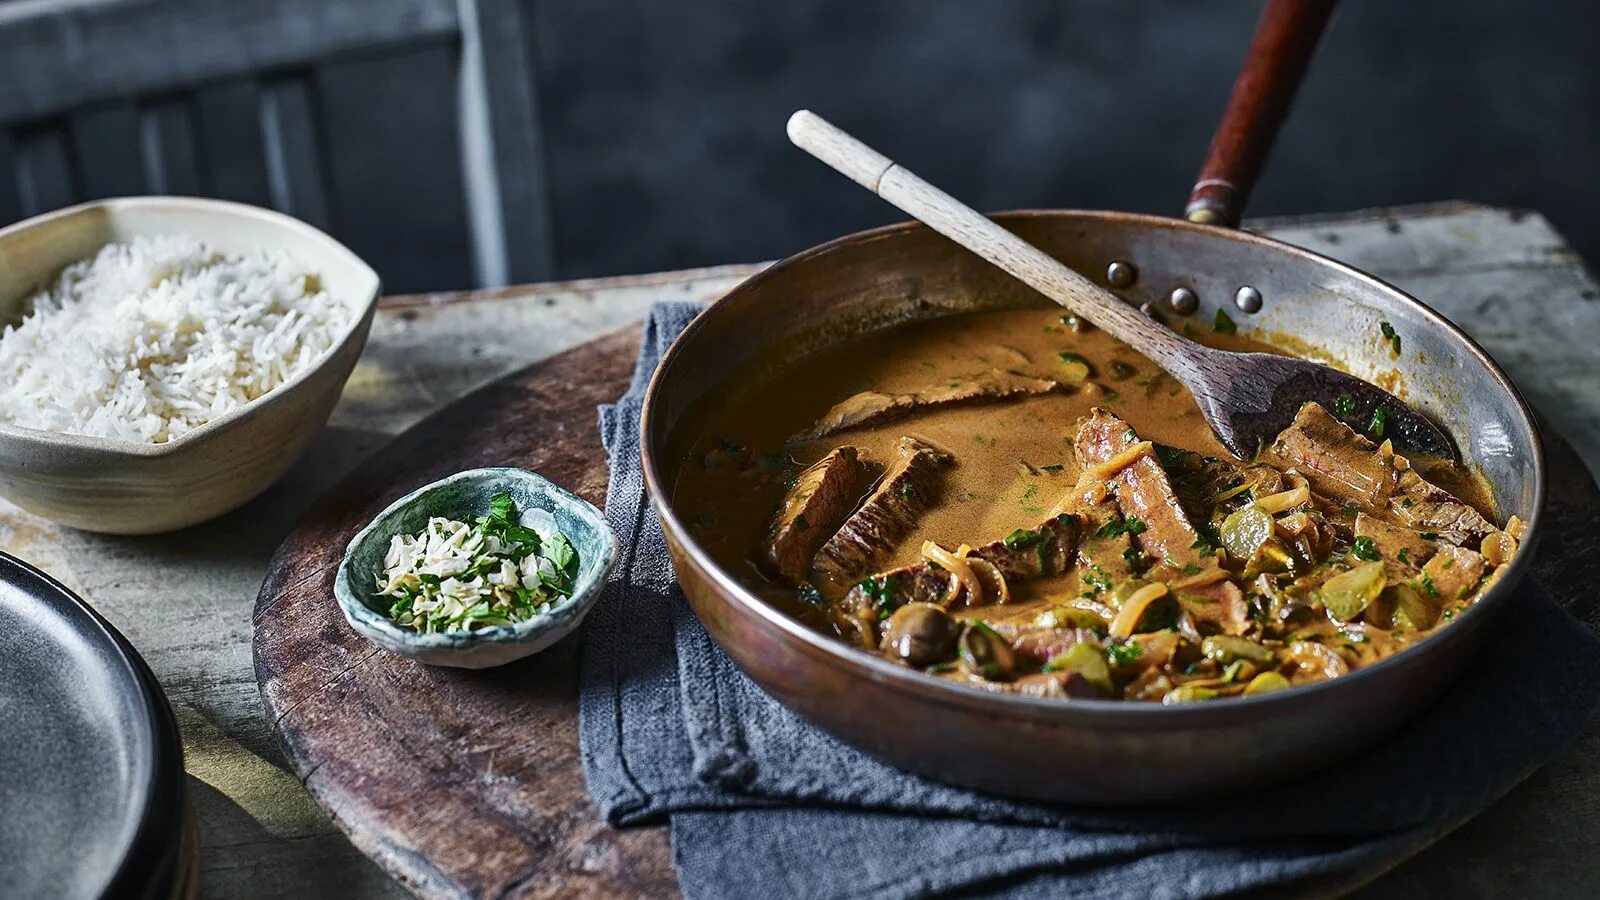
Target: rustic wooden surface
[460,783]
[185,599]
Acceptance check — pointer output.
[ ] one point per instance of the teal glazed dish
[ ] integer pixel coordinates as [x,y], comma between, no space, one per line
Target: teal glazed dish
[465,496]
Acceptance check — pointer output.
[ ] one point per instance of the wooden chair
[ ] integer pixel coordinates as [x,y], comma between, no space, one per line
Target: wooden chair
[217,97]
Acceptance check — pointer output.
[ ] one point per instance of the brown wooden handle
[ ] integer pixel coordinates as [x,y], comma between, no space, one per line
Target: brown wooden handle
[1285,38]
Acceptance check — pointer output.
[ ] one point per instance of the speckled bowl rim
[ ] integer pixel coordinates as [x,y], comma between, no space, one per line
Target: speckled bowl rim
[362,309]
[584,594]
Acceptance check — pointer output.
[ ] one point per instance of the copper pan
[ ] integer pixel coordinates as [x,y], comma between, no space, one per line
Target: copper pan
[1092,751]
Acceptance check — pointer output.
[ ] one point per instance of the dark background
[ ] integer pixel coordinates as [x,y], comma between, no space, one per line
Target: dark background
[663,123]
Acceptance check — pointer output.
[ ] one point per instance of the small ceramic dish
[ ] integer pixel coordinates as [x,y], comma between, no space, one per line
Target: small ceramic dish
[462,497]
[123,487]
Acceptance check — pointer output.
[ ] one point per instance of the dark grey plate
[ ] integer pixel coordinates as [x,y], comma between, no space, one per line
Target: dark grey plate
[92,802]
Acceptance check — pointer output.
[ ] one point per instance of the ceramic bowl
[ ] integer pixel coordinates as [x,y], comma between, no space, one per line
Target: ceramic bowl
[461,497]
[123,487]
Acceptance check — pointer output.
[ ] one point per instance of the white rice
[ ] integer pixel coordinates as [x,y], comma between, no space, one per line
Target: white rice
[156,337]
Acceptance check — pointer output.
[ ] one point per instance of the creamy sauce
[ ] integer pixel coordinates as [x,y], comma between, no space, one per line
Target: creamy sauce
[1015,464]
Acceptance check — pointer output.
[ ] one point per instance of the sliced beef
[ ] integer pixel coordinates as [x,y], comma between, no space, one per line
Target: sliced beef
[1428,507]
[872,407]
[813,509]
[1143,491]
[1039,645]
[1402,550]
[1347,467]
[1216,606]
[1338,462]
[1452,574]
[1020,557]
[907,489]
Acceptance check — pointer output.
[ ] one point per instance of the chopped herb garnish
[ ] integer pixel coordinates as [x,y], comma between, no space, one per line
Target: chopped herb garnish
[1191,569]
[1052,468]
[801,523]
[1097,580]
[880,589]
[1344,406]
[1404,555]
[1381,417]
[1067,356]
[1364,548]
[1428,586]
[1222,323]
[1115,527]
[1429,535]
[1022,537]
[1135,559]
[808,593]
[1391,336]
[1123,654]
[454,576]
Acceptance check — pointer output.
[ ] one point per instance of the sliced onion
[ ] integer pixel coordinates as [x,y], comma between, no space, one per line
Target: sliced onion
[1204,579]
[994,580]
[1235,491]
[1094,606]
[1276,503]
[1187,629]
[1133,609]
[1125,458]
[956,566]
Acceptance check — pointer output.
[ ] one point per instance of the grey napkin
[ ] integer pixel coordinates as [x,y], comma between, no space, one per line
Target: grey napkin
[671,728]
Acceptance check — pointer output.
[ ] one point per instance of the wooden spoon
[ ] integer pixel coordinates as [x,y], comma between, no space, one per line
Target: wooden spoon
[1247,398]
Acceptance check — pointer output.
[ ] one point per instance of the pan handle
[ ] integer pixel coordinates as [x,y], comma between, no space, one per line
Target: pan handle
[1285,38]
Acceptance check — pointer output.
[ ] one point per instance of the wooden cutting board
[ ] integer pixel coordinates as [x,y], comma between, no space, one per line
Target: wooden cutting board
[465,783]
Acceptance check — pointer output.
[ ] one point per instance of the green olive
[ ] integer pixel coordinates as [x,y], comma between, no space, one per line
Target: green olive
[1188,693]
[1347,594]
[1245,530]
[922,634]
[1087,659]
[1225,648]
[1266,683]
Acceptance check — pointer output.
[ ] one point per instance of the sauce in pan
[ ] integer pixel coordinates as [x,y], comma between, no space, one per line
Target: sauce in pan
[1018,501]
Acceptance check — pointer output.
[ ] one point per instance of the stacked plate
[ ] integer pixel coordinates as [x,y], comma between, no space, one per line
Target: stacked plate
[93,803]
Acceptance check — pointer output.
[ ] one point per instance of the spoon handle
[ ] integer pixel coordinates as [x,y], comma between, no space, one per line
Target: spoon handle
[976,232]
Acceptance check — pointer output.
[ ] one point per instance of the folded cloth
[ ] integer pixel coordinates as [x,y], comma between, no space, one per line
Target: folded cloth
[759,799]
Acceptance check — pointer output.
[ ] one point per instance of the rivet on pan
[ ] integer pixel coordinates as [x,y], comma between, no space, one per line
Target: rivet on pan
[1121,274]
[1248,299]
[1183,301]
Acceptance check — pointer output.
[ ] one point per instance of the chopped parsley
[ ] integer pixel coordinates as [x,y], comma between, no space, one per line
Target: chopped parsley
[1123,654]
[801,523]
[1404,555]
[1391,336]
[1098,582]
[880,589]
[1191,569]
[1134,558]
[1052,468]
[1129,526]
[1344,407]
[1429,535]
[1428,586]
[454,576]
[1381,417]
[1364,548]
[1022,537]
[1222,323]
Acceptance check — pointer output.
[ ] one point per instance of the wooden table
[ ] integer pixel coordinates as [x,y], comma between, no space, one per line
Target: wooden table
[185,599]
